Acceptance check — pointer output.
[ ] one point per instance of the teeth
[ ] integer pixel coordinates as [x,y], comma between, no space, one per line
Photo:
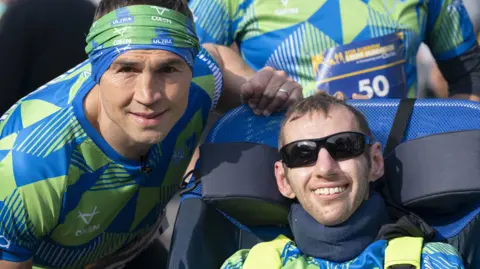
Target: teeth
[329,191]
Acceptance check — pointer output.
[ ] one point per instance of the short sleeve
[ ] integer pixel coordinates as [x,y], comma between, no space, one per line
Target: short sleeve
[216,20]
[449,30]
[17,238]
[441,255]
[28,209]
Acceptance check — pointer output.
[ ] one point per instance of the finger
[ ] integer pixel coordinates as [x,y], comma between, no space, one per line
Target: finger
[360,96]
[276,81]
[296,95]
[247,93]
[340,96]
[325,92]
[254,87]
[280,98]
[253,103]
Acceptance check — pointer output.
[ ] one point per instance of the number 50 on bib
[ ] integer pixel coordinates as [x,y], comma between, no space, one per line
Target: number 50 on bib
[374,67]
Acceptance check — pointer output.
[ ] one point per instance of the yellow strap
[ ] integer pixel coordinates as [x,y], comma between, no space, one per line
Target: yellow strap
[266,254]
[404,250]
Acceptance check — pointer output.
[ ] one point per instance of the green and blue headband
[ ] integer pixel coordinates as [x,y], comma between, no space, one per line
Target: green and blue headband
[140,27]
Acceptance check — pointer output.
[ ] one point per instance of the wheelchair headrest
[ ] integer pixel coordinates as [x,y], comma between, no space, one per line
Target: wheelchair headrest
[418,178]
[238,179]
[437,174]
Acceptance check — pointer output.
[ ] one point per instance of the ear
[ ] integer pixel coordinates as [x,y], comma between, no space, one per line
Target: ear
[282,181]
[376,159]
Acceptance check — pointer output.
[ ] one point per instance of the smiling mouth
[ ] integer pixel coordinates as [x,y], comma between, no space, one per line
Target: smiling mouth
[149,116]
[331,191]
[149,120]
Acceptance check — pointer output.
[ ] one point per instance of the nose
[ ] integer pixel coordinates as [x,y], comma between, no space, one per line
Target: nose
[325,166]
[149,89]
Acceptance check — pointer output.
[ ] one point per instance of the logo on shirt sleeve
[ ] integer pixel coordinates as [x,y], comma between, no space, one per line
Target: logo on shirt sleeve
[4,242]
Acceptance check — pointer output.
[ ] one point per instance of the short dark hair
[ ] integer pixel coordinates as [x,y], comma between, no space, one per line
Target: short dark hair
[107,6]
[320,102]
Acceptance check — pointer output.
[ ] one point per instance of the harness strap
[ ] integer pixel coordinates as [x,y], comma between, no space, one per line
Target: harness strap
[400,124]
[267,254]
[404,253]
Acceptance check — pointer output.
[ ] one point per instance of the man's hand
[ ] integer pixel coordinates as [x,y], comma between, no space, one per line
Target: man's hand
[270,90]
[341,96]
[360,96]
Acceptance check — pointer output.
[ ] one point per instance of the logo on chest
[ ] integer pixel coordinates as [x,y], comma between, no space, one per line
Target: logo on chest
[184,149]
[87,219]
[285,10]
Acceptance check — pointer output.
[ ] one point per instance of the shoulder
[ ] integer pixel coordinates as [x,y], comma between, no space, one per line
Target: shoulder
[275,246]
[45,102]
[263,255]
[207,75]
[207,61]
[226,6]
[237,260]
[440,255]
[36,144]
[38,134]
[34,180]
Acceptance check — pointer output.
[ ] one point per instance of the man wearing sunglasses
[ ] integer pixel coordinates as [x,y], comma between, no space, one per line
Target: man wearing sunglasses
[328,160]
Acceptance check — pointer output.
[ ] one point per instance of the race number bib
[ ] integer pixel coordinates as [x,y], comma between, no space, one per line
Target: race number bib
[373,67]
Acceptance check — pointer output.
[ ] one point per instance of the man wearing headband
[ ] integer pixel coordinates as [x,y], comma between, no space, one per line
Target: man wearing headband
[328,160]
[88,161]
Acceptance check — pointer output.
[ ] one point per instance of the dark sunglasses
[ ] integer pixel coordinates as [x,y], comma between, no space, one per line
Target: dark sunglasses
[340,146]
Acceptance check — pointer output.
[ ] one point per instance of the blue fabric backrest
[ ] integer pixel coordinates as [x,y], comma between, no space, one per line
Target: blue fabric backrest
[430,116]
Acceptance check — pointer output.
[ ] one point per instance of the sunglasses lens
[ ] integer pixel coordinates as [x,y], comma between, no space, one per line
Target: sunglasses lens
[301,153]
[340,146]
[345,145]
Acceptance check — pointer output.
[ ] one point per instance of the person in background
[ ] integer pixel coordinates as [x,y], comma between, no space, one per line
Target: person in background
[431,83]
[473,9]
[39,40]
[366,49]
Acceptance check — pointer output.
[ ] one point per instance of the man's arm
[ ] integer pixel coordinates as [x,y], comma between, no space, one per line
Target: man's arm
[17,239]
[266,91]
[463,75]
[30,207]
[451,38]
[235,73]
[16,265]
